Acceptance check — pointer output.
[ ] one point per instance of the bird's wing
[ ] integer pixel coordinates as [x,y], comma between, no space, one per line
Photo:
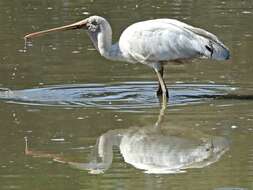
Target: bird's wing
[195,30]
[166,40]
[198,31]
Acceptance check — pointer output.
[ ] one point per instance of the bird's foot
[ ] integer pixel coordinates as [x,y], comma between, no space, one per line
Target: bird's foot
[160,93]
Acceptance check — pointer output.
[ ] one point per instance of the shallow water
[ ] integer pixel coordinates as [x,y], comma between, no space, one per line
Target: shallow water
[125,96]
[95,124]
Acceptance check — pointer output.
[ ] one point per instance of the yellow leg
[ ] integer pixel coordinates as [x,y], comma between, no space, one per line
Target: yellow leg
[162,90]
[162,111]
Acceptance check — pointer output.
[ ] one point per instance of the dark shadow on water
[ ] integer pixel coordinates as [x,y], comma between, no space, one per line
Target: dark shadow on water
[124,96]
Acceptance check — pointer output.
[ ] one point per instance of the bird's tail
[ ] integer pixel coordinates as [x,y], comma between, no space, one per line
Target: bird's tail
[216,50]
[212,47]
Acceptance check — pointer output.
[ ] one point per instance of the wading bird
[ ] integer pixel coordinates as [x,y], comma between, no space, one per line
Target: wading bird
[152,42]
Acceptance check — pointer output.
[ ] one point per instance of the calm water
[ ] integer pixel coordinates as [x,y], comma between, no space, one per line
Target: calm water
[90,123]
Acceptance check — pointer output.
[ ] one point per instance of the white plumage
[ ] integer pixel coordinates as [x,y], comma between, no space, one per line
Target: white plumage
[152,42]
[167,40]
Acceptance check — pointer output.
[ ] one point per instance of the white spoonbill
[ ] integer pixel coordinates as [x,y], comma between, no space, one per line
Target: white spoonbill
[152,42]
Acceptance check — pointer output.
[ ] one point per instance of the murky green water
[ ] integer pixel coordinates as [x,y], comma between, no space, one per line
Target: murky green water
[96,124]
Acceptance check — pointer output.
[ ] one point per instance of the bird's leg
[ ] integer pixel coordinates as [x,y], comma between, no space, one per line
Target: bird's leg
[162,90]
[162,112]
[159,92]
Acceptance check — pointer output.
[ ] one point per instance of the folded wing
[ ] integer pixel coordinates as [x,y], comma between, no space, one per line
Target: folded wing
[168,40]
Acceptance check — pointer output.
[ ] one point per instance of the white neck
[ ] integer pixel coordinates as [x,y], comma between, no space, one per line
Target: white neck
[102,41]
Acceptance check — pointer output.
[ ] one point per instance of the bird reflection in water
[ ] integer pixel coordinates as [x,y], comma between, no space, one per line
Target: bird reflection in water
[154,149]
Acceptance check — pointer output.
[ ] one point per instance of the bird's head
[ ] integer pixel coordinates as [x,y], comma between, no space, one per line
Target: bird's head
[92,24]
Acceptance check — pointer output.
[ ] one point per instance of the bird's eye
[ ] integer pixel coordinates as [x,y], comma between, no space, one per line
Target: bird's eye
[94,23]
[93,26]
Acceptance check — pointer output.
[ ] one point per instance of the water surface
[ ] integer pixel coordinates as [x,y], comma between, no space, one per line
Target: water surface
[77,109]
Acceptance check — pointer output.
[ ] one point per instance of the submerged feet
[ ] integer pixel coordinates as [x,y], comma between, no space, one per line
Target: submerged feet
[162,96]
[160,92]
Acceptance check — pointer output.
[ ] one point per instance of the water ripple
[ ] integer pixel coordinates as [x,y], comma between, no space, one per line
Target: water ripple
[127,95]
